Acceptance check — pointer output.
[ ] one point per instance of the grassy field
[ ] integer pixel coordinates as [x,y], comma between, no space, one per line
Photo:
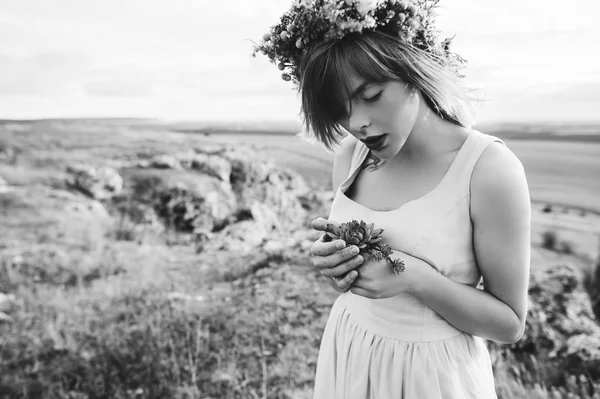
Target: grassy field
[97,315]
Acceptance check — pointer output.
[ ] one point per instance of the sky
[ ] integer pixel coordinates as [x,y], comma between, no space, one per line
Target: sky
[532,61]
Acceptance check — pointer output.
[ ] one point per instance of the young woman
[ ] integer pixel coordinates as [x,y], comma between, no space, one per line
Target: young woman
[453,203]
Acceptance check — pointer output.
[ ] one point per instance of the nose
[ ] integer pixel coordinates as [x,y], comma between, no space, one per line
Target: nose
[359,121]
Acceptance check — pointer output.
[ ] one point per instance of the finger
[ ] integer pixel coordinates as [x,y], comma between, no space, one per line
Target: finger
[345,283]
[319,224]
[336,258]
[344,267]
[330,227]
[326,248]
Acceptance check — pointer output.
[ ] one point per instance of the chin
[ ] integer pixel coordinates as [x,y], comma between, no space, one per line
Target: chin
[392,148]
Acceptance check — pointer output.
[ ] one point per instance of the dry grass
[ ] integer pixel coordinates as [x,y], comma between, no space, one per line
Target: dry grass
[97,316]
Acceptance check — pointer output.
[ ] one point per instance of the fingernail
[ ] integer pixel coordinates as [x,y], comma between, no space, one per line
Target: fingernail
[353,274]
[341,244]
[355,250]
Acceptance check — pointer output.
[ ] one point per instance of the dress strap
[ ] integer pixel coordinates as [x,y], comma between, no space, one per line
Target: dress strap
[358,156]
[476,144]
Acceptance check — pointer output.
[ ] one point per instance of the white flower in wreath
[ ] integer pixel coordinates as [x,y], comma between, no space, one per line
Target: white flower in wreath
[304,3]
[365,6]
[370,22]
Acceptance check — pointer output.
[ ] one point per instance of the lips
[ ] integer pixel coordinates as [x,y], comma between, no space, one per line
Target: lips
[375,141]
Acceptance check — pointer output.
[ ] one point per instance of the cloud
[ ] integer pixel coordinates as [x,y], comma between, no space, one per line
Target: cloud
[166,59]
[41,74]
[122,83]
[576,93]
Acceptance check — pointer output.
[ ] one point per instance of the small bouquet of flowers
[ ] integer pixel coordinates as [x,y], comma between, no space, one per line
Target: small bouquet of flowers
[368,239]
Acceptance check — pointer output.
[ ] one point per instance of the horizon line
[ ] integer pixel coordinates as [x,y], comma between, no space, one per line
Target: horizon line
[290,122]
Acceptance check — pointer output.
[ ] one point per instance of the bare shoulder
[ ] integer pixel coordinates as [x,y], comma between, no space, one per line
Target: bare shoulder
[498,183]
[342,160]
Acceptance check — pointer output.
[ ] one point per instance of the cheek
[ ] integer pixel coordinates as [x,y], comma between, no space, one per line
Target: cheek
[407,109]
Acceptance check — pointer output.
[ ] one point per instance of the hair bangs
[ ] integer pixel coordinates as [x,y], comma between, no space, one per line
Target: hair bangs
[325,92]
[366,61]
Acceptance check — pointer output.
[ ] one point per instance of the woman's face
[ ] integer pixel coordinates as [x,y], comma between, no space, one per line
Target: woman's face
[388,110]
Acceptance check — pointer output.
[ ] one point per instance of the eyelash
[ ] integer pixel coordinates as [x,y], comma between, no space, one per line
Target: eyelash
[342,113]
[374,98]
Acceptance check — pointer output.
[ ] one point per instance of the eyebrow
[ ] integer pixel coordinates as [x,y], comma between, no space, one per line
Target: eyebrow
[359,89]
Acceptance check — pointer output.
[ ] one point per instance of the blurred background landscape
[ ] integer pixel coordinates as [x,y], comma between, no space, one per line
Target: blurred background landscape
[156,199]
[146,259]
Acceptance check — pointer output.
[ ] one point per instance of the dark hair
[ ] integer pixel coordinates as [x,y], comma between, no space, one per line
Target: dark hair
[377,57]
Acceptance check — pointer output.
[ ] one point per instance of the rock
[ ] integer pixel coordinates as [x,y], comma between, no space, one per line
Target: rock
[212,165]
[185,297]
[4,187]
[6,302]
[97,182]
[162,161]
[582,355]
[220,203]
[264,216]
[274,248]
[595,291]
[317,202]
[561,331]
[143,164]
[276,188]
[165,162]
[201,237]
[241,237]
[8,154]
[205,203]
[70,201]
[558,291]
[4,318]
[222,377]
[211,149]
[94,208]
[61,194]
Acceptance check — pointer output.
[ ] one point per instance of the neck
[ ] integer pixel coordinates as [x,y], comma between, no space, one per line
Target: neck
[430,137]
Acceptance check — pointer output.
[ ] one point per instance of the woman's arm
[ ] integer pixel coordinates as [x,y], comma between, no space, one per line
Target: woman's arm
[323,246]
[501,217]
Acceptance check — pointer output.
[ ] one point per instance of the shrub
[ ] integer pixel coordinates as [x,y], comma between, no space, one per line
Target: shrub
[566,248]
[549,240]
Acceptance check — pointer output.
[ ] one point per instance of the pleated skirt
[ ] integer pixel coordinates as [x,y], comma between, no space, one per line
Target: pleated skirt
[355,363]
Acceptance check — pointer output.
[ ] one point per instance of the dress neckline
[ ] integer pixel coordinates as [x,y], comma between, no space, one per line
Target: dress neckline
[361,159]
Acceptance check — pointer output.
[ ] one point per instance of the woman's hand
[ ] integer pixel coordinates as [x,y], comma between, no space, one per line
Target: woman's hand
[376,280]
[333,258]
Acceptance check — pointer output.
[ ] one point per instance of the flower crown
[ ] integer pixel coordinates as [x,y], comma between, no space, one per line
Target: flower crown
[310,21]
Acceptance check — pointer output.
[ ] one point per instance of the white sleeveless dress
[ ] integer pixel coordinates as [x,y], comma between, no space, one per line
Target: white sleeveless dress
[398,347]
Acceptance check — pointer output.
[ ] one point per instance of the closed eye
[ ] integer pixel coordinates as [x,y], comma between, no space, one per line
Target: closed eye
[374,98]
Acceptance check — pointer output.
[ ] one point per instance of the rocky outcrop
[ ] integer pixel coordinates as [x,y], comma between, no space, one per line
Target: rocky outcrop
[562,333]
[228,201]
[212,165]
[97,182]
[8,154]
[279,189]
[206,205]
[4,187]
[231,187]
[594,290]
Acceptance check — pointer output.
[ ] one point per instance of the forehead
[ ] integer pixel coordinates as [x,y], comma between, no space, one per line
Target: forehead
[353,84]
[354,80]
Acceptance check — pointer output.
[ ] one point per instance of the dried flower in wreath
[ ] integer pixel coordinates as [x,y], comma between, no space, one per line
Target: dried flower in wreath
[368,239]
[308,22]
